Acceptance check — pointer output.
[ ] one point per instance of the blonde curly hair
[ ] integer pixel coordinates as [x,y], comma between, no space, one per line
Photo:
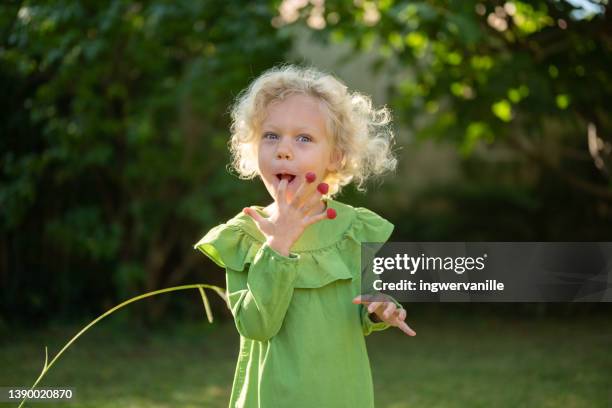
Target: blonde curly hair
[362,133]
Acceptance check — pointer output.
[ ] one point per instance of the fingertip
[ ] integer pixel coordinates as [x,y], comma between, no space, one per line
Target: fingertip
[323,188]
[311,177]
[331,213]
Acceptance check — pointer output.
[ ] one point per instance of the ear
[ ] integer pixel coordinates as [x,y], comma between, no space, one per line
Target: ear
[335,160]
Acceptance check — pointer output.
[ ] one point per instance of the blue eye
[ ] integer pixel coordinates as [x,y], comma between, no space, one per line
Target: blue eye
[308,138]
[272,135]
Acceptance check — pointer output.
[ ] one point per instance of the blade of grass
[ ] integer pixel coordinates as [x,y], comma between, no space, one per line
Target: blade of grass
[206,305]
[198,286]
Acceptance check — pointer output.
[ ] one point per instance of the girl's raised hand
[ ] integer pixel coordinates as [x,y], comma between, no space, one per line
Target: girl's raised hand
[284,228]
[387,312]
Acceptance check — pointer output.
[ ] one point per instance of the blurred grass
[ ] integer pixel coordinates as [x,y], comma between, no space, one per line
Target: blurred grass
[454,361]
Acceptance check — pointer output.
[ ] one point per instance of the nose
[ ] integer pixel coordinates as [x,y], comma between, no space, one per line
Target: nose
[284,152]
[283,155]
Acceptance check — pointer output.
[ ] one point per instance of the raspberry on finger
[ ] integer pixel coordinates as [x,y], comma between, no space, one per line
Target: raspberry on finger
[323,188]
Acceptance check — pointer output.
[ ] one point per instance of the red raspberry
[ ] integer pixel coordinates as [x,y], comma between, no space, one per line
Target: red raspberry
[331,213]
[310,177]
[323,188]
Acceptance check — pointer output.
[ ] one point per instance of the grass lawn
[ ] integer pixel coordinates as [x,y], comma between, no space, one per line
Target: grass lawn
[468,361]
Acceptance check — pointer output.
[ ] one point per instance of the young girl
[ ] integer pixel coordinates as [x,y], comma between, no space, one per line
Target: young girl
[293,268]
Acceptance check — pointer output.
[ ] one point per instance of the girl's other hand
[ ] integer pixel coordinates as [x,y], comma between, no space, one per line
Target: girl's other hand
[284,228]
[387,312]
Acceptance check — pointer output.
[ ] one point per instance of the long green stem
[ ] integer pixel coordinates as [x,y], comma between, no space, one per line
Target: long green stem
[199,286]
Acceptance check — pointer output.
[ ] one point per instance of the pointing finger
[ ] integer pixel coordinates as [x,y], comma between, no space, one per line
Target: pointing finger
[406,329]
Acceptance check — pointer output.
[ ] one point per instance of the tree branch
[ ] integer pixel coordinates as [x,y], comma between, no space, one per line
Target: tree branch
[581,184]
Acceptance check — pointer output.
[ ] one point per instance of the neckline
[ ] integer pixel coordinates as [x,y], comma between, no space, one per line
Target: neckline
[318,235]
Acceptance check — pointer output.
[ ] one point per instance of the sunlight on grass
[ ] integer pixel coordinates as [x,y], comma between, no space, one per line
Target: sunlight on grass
[453,362]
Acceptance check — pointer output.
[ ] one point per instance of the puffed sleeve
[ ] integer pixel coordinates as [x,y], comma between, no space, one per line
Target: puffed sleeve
[260,281]
[371,227]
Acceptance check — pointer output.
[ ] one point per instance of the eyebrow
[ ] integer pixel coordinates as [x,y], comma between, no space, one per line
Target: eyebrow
[302,128]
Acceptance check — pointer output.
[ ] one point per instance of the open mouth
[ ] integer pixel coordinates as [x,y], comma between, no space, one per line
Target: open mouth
[289,177]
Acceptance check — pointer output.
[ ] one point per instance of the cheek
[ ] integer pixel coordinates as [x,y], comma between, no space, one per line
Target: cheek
[262,156]
[321,158]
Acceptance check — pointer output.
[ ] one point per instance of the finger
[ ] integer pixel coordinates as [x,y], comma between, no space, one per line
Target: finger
[311,219]
[373,306]
[358,300]
[389,309]
[365,299]
[311,203]
[282,192]
[253,214]
[303,189]
[323,188]
[311,176]
[401,315]
[298,197]
[406,329]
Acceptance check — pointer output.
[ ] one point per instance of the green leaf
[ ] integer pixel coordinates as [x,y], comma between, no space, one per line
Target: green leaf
[503,110]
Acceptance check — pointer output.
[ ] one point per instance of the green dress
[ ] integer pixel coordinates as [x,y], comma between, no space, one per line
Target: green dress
[301,337]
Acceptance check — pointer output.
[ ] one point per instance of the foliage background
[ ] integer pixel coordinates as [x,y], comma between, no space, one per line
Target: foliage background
[115,123]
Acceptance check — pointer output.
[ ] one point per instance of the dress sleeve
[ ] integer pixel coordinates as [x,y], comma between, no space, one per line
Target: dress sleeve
[260,281]
[259,299]
[371,227]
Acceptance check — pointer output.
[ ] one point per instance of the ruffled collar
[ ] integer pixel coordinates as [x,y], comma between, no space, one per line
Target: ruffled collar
[328,249]
[316,236]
